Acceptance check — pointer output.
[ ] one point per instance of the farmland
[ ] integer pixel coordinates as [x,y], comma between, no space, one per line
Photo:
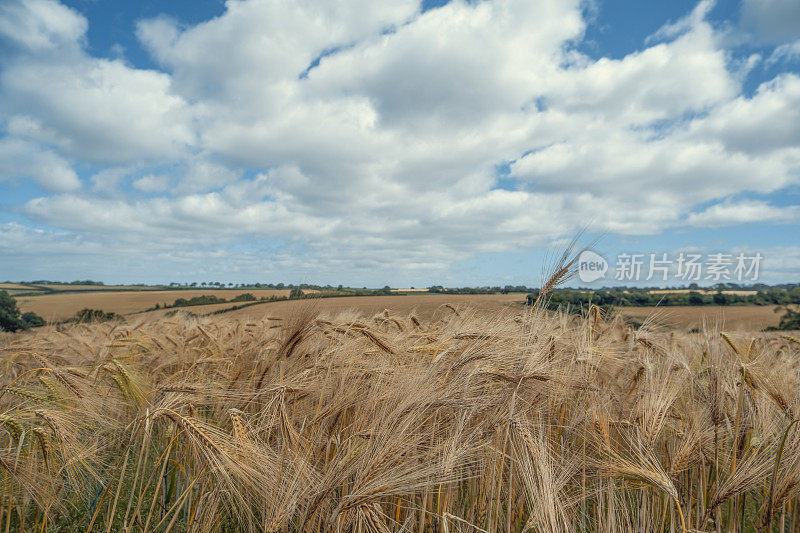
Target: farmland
[59,306]
[745,317]
[49,288]
[685,317]
[449,419]
[424,305]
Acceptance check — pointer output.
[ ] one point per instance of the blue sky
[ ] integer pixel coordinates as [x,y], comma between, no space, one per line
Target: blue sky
[393,142]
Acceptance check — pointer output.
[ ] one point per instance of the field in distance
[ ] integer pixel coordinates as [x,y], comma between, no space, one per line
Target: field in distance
[56,306]
[423,305]
[727,317]
[750,317]
[15,289]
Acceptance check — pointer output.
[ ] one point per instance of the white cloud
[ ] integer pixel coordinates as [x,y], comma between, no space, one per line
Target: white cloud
[100,110]
[151,183]
[51,90]
[456,66]
[107,183]
[383,153]
[652,84]
[786,51]
[767,122]
[41,25]
[744,212]
[684,25]
[255,44]
[24,160]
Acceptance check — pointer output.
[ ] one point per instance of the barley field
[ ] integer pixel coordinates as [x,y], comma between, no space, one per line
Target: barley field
[463,420]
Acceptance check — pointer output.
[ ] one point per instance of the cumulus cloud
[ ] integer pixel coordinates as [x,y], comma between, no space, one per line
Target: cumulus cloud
[255,44]
[24,160]
[729,213]
[151,183]
[372,132]
[40,25]
[95,109]
[99,110]
[768,122]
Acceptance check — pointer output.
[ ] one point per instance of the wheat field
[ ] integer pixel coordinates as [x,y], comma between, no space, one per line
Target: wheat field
[511,420]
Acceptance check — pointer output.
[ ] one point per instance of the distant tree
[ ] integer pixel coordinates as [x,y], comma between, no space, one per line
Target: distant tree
[720,298]
[789,321]
[10,318]
[205,299]
[32,319]
[695,298]
[93,315]
[296,294]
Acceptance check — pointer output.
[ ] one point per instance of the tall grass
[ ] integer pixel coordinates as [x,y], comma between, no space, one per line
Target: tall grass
[472,422]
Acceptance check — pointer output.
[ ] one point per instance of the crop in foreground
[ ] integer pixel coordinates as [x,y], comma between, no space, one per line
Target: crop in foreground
[506,422]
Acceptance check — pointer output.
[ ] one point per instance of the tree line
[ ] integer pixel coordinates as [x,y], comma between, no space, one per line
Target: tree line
[645,298]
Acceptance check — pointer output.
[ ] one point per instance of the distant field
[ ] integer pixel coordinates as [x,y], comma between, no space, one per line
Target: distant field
[193,309]
[56,307]
[53,307]
[12,286]
[15,289]
[68,287]
[703,291]
[424,305]
[748,317]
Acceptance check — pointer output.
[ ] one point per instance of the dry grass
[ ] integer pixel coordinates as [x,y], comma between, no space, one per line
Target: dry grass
[505,421]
